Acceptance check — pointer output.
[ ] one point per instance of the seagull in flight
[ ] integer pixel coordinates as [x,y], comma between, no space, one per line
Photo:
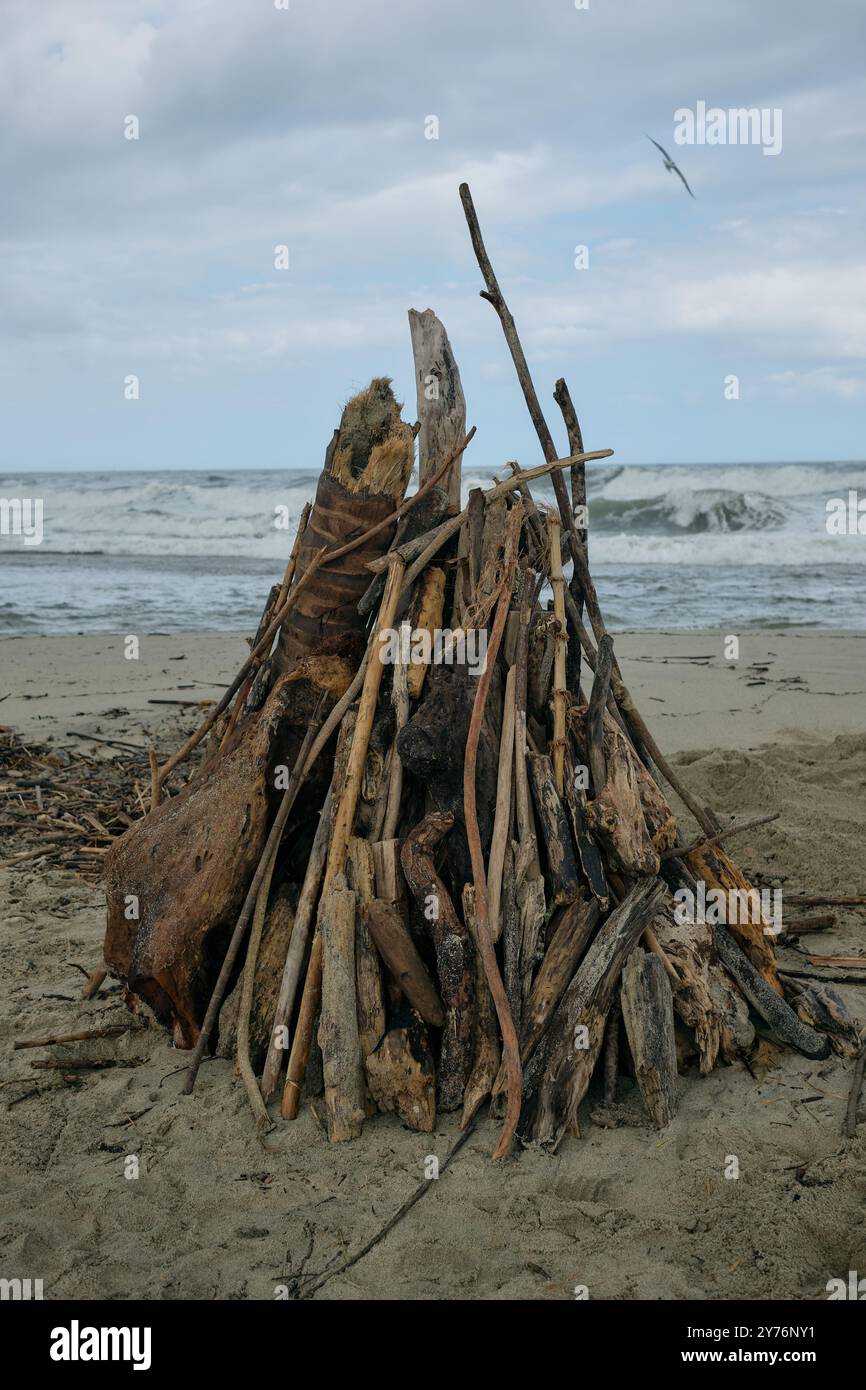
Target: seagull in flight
[669,164]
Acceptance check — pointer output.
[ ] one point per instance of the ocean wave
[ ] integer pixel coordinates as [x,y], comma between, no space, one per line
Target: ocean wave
[735,549]
[658,514]
[694,511]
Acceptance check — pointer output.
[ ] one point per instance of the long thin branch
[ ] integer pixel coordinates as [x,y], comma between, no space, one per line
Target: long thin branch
[342,829]
[510,1046]
[679,851]
[493,294]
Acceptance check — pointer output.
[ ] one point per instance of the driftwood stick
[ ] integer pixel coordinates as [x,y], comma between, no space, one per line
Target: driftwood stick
[400,698]
[559,1073]
[779,1016]
[854,1094]
[338,1030]
[493,294]
[522,802]
[94,983]
[342,829]
[648,1013]
[401,1072]
[579,510]
[568,942]
[502,817]
[426,616]
[560,652]
[304,917]
[245,1066]
[510,1045]
[678,851]
[820,900]
[155,780]
[563,399]
[563,878]
[454,954]
[573,928]
[440,404]
[293,558]
[511,935]
[275,835]
[838,977]
[588,853]
[435,539]
[410,537]
[485,1062]
[595,715]
[60,1039]
[397,949]
[372,1020]
[820,922]
[611,1050]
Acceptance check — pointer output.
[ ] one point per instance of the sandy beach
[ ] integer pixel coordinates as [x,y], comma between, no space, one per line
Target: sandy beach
[217,1213]
[785,682]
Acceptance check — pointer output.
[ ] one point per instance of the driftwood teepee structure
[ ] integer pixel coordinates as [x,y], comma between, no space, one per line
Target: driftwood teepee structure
[419,885]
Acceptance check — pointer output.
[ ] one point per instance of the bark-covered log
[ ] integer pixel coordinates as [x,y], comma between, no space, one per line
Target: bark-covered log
[425,616]
[401,1073]
[414,524]
[563,881]
[440,404]
[176,881]
[823,1009]
[539,671]
[399,952]
[485,1050]
[705,1000]
[595,750]
[532,913]
[431,749]
[368,974]
[454,956]
[367,467]
[779,1017]
[648,1014]
[571,932]
[588,853]
[718,871]
[616,818]
[511,936]
[345,1095]
[558,1074]
[389,875]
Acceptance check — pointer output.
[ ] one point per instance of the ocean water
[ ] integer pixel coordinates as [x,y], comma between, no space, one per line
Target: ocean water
[670,545]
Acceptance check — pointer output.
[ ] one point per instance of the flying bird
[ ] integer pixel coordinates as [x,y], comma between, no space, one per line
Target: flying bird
[669,164]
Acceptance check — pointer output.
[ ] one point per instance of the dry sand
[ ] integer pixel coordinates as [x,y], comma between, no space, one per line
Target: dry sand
[629,1213]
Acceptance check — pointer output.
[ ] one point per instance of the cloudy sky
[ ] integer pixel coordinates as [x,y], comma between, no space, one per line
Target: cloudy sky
[307,127]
